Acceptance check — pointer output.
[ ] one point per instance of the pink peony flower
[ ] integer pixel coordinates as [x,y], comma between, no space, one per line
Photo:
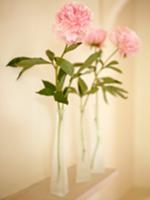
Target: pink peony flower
[96,37]
[126,41]
[72,22]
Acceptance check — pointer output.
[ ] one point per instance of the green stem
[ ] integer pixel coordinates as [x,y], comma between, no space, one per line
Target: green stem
[97,73]
[63,53]
[110,56]
[82,130]
[60,110]
[97,130]
[96,122]
[59,128]
[107,59]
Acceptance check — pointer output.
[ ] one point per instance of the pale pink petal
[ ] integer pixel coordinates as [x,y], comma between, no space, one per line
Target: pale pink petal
[96,37]
[126,40]
[72,22]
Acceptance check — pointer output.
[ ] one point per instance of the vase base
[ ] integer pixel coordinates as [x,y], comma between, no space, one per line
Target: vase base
[83,177]
[59,194]
[101,171]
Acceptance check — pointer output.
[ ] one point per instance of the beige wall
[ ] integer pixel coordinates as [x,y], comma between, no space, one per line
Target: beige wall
[142,98]
[27,120]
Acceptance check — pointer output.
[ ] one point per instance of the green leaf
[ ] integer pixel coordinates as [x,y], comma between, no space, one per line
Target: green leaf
[31,62]
[65,65]
[26,62]
[49,89]
[93,90]
[21,72]
[116,91]
[113,90]
[121,95]
[61,78]
[72,47]
[91,59]
[78,64]
[82,87]
[59,96]
[115,69]
[68,90]
[119,89]
[49,85]
[14,62]
[50,55]
[109,80]
[46,92]
[104,94]
[114,62]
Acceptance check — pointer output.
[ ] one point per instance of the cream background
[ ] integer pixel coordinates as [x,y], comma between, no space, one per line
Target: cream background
[142,99]
[27,120]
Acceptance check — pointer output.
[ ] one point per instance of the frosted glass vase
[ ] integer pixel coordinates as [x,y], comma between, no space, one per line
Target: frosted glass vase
[59,173]
[97,159]
[83,163]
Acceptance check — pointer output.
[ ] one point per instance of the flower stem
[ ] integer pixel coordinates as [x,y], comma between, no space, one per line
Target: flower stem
[82,130]
[98,72]
[97,131]
[60,112]
[59,128]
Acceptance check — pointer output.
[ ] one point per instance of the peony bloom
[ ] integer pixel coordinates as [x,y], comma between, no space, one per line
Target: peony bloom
[126,41]
[72,22]
[96,37]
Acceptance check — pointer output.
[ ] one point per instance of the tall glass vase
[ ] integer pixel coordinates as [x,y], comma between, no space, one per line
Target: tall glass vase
[59,174]
[97,160]
[83,163]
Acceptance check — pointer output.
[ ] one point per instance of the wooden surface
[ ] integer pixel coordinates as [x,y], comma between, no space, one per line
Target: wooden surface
[138,194]
[80,191]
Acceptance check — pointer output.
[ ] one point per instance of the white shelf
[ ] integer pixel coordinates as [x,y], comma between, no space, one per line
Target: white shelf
[80,191]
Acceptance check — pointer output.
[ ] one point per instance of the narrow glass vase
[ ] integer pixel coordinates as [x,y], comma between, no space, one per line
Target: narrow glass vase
[59,174]
[97,160]
[83,163]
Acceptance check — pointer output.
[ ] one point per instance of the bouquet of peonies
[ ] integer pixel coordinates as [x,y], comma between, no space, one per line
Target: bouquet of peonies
[74,27]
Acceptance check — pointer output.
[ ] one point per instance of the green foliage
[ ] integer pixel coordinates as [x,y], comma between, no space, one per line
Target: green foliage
[60,97]
[48,90]
[109,80]
[78,64]
[26,63]
[113,90]
[90,60]
[113,62]
[14,62]
[111,66]
[115,69]
[65,65]
[68,90]
[93,90]
[50,55]
[71,47]
[50,85]
[22,71]
[61,78]
[82,87]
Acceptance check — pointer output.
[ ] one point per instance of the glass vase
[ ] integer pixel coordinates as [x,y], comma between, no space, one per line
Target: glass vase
[97,159]
[59,173]
[83,163]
